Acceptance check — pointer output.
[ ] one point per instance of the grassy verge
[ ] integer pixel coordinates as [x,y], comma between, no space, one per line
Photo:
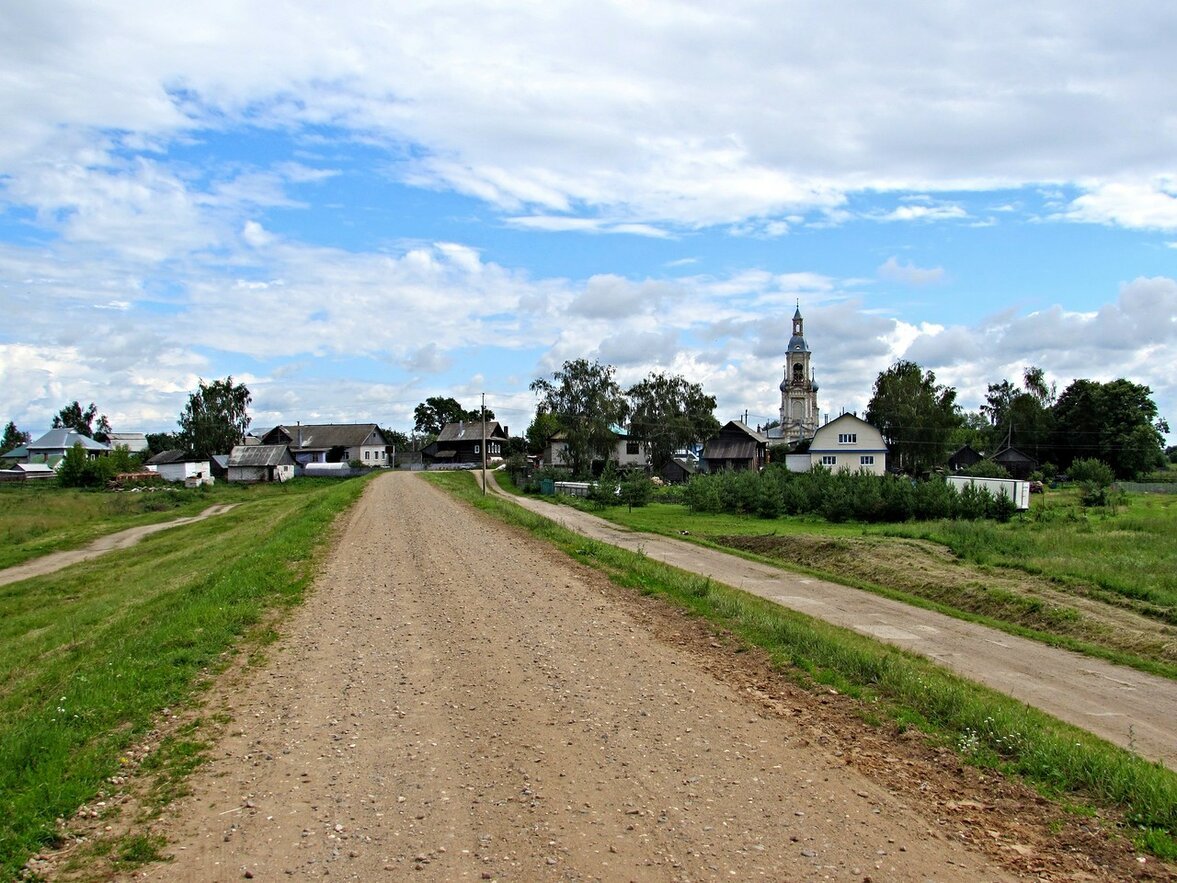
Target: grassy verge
[987,728]
[1042,576]
[36,519]
[90,655]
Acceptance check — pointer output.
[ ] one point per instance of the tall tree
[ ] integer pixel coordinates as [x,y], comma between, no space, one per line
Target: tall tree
[1034,382]
[103,430]
[915,415]
[1115,422]
[435,412]
[542,427]
[158,442]
[668,413]
[13,437]
[215,418]
[588,405]
[72,416]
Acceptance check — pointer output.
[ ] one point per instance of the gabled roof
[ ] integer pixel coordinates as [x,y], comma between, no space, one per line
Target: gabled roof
[175,455]
[324,436]
[63,440]
[1010,454]
[469,431]
[733,426]
[260,455]
[132,441]
[16,453]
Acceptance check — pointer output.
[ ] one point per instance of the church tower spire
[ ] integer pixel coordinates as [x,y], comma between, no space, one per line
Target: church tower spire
[798,389]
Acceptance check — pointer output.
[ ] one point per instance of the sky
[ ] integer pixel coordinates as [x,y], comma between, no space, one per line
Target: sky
[351,207]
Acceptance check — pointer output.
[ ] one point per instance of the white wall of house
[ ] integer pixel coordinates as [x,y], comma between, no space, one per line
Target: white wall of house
[849,444]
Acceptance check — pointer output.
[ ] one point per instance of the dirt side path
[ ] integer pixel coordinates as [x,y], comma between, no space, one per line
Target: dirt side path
[1127,707]
[123,539]
[456,701]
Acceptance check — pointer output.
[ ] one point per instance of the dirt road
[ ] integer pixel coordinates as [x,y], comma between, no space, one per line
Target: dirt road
[1129,708]
[456,701]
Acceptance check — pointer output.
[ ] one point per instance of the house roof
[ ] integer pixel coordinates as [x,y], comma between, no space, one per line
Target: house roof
[175,455]
[15,453]
[729,449]
[1013,455]
[259,455]
[63,440]
[132,441]
[31,468]
[470,431]
[323,436]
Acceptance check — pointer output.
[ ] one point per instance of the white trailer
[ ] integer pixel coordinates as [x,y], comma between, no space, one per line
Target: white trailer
[1014,488]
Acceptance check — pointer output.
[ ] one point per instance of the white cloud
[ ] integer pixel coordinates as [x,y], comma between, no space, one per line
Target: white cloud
[1139,205]
[908,273]
[619,110]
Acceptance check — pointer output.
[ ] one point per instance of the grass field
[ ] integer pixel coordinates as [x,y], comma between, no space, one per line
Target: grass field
[42,518]
[90,655]
[987,728]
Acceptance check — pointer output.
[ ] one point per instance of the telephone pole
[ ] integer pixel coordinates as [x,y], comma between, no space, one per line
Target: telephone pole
[484,444]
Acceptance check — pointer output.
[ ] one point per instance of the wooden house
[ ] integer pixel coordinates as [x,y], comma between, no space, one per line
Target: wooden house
[736,446]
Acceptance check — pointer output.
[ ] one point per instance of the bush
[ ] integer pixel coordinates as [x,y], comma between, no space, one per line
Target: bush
[986,469]
[1094,478]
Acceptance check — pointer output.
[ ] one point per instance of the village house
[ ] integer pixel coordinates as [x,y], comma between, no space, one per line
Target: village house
[56,443]
[333,443]
[849,444]
[462,442]
[627,452]
[735,447]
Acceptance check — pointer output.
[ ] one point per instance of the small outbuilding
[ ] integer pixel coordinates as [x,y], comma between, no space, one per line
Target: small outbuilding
[176,465]
[254,463]
[1017,463]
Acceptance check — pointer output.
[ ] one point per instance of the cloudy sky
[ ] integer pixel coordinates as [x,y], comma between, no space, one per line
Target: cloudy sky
[357,205]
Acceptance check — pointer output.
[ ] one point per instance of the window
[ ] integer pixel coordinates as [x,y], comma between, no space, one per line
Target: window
[366,453]
[632,447]
[829,460]
[867,460]
[478,449]
[847,438]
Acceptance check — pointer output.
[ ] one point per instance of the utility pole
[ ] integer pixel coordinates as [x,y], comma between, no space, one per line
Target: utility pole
[484,444]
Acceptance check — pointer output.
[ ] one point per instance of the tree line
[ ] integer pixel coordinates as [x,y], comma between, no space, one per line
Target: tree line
[1115,422]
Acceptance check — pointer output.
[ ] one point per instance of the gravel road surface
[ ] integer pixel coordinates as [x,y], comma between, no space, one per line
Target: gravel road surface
[1126,707]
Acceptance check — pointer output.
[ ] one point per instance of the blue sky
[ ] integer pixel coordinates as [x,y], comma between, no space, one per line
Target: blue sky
[355,207]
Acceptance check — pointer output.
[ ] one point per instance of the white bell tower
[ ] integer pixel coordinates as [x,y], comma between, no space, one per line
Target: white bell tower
[798,389]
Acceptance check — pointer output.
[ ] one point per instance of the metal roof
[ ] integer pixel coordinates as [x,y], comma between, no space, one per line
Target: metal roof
[470,431]
[260,455]
[63,440]
[324,436]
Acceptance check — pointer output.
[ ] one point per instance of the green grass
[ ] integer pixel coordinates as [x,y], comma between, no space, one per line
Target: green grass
[987,728]
[1128,552]
[1023,577]
[89,655]
[42,518]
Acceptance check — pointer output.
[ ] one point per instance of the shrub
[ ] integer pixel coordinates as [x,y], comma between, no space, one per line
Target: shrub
[1094,478]
[986,469]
